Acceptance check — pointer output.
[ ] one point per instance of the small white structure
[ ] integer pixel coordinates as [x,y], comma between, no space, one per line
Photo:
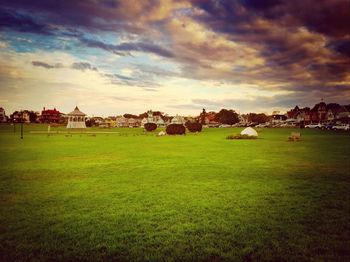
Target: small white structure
[161,133]
[76,119]
[249,132]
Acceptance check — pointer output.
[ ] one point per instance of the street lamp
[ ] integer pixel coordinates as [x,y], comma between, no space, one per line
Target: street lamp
[21,120]
[22,129]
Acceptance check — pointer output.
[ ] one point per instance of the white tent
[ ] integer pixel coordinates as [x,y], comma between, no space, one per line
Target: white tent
[249,132]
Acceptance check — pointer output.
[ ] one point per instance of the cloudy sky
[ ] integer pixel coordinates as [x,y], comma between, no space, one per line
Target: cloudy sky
[112,57]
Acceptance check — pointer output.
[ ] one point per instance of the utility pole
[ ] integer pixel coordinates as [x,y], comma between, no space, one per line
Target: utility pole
[22,129]
[22,125]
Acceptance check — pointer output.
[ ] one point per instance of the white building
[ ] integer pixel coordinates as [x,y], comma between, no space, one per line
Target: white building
[143,122]
[153,119]
[178,120]
[25,117]
[76,119]
[132,122]
[160,122]
[122,121]
[150,118]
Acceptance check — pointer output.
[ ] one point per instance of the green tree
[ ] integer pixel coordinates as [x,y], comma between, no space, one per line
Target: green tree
[258,118]
[228,117]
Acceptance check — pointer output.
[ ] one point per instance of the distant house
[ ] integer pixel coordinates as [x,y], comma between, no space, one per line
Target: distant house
[342,113]
[109,122]
[292,114]
[300,116]
[332,112]
[243,120]
[16,117]
[320,113]
[331,115]
[122,121]
[50,116]
[144,121]
[178,120]
[160,122]
[134,122]
[151,118]
[20,116]
[94,121]
[3,117]
[278,118]
[25,116]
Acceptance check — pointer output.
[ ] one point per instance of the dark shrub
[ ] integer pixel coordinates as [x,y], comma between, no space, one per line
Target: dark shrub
[194,127]
[239,136]
[150,126]
[175,129]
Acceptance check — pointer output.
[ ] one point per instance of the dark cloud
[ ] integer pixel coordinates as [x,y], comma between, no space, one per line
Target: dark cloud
[156,71]
[107,47]
[104,15]
[82,66]
[22,23]
[291,36]
[329,17]
[138,79]
[145,47]
[46,65]
[125,48]
[261,5]
[341,46]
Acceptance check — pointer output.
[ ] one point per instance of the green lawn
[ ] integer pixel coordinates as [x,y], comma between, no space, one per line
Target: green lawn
[135,197]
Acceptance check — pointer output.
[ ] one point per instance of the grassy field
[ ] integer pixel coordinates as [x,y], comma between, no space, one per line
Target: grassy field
[135,197]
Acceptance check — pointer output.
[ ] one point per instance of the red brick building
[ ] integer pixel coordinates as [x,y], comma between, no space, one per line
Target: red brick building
[50,116]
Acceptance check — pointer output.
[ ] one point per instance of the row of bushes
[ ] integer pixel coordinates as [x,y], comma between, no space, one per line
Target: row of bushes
[176,129]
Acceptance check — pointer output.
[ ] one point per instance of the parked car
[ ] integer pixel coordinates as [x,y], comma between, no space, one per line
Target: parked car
[261,125]
[313,126]
[327,126]
[224,125]
[341,127]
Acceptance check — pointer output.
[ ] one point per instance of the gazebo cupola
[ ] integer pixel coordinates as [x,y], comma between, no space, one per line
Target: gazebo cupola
[76,119]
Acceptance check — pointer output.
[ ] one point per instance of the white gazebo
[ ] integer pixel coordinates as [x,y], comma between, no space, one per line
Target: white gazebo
[76,119]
